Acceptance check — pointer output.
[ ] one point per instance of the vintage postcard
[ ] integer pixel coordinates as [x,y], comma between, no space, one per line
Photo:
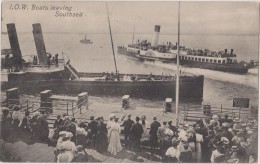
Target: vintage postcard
[123,82]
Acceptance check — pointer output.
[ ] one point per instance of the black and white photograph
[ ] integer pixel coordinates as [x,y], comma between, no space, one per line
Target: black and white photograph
[129,81]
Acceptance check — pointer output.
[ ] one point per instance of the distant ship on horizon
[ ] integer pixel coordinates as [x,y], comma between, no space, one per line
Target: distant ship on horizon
[86,41]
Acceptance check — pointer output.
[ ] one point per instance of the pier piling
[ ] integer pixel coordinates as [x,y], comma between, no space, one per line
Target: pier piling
[82,100]
[46,102]
[168,104]
[12,97]
[125,103]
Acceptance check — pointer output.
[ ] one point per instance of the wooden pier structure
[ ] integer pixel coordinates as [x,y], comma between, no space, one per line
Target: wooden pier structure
[103,106]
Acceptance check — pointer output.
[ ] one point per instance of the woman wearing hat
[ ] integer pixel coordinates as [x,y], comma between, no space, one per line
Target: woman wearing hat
[109,123]
[114,145]
[62,135]
[17,116]
[172,154]
[199,140]
[67,149]
[144,124]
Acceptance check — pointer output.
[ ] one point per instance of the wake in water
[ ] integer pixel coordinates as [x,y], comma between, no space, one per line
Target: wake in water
[250,79]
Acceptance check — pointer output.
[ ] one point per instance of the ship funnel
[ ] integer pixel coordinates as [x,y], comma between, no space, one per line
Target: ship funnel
[156,35]
[232,50]
[39,43]
[13,39]
[225,51]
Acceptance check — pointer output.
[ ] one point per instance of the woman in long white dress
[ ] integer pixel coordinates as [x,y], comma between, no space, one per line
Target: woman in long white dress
[114,145]
[145,126]
[199,140]
[68,149]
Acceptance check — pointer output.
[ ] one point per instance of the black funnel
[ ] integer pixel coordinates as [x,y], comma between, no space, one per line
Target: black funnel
[13,39]
[39,43]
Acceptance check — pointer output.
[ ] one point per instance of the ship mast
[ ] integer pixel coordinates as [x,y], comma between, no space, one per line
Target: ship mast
[112,42]
[178,71]
[133,35]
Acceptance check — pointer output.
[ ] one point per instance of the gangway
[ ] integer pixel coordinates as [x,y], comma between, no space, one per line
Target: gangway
[72,70]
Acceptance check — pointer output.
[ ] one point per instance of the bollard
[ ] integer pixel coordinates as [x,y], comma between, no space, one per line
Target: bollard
[46,102]
[12,97]
[168,104]
[125,103]
[82,100]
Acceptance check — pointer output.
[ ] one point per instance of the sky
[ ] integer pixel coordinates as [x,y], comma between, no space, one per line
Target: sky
[197,18]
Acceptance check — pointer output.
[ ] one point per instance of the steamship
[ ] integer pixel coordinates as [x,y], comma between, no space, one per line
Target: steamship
[86,41]
[221,61]
[60,81]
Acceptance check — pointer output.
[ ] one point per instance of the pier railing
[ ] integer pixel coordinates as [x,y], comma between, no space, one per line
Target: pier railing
[196,112]
[61,106]
[188,113]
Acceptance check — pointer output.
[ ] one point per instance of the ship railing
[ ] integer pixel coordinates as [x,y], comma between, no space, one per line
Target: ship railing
[193,113]
[52,66]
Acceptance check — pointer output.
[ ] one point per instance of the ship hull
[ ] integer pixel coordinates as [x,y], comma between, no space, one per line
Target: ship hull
[191,88]
[233,68]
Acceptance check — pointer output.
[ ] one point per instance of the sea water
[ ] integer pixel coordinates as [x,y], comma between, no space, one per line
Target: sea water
[219,87]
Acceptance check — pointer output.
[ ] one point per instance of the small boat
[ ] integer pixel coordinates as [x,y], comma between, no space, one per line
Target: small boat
[86,41]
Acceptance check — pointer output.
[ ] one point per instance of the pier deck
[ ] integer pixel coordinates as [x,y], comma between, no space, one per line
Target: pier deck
[40,152]
[100,106]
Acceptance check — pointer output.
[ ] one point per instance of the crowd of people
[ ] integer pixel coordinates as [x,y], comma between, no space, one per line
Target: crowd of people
[16,125]
[217,140]
[52,60]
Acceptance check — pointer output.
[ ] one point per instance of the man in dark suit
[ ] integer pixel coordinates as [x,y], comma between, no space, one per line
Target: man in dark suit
[81,156]
[57,122]
[93,129]
[185,154]
[173,129]
[136,133]
[153,134]
[127,127]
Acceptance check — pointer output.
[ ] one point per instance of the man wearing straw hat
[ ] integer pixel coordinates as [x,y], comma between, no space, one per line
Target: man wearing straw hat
[237,124]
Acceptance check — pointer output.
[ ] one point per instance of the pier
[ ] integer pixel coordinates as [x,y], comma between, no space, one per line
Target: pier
[102,106]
